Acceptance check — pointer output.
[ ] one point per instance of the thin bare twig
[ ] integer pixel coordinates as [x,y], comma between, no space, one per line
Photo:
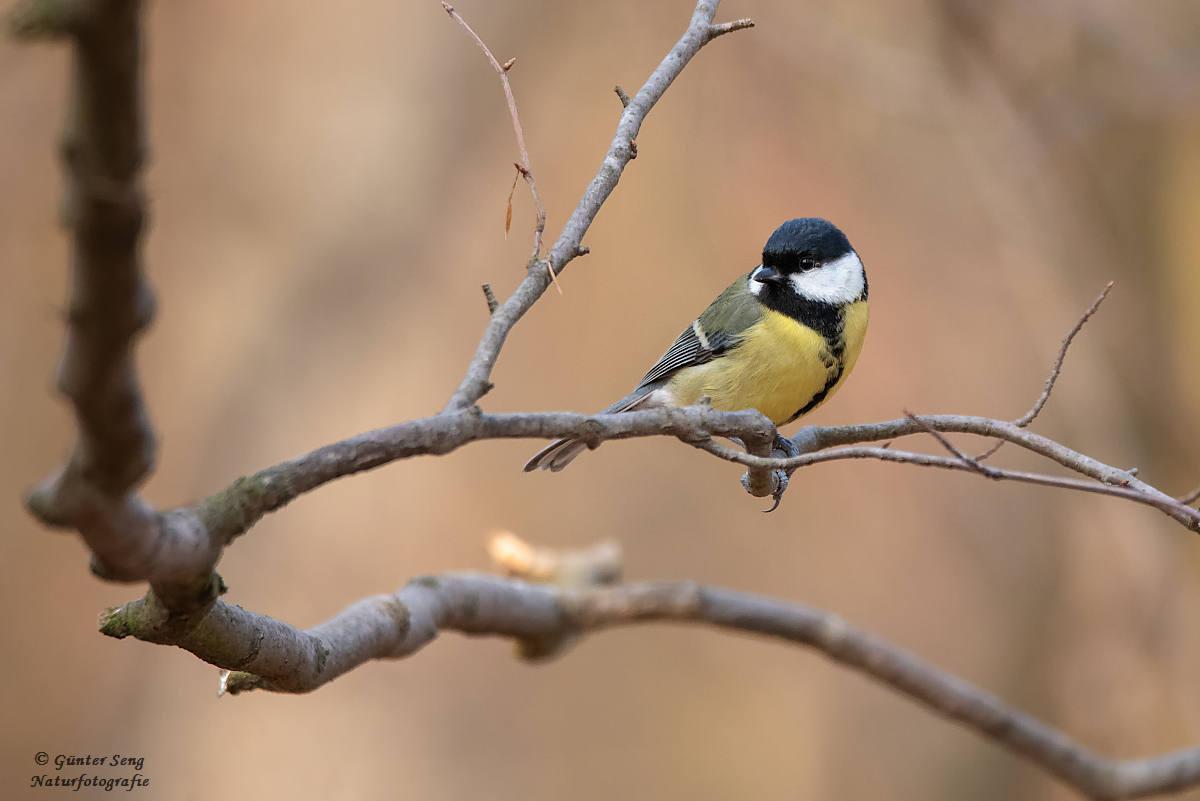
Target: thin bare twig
[1188,517]
[1190,498]
[812,439]
[990,452]
[259,652]
[1058,361]
[523,169]
[1032,414]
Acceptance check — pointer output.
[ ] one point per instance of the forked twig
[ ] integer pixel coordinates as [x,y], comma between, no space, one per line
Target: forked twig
[948,445]
[1185,515]
[523,168]
[570,242]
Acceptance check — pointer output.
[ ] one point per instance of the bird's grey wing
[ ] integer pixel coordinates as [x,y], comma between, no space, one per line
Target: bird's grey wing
[713,333]
[717,330]
[688,349]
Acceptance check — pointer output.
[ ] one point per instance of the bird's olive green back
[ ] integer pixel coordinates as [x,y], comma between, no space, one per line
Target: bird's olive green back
[734,310]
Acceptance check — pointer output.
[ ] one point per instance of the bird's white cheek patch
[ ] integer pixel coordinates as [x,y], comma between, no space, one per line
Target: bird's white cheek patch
[839,281]
[756,286]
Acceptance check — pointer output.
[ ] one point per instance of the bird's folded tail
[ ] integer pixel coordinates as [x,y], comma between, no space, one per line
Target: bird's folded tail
[556,455]
[562,452]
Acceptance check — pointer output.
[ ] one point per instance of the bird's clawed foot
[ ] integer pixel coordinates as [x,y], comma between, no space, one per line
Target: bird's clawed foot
[782,448]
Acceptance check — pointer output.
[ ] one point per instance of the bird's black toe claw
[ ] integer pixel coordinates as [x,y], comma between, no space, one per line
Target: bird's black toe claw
[781,480]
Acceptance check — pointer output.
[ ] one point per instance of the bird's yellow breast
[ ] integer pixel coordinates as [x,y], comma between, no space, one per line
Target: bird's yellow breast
[780,367]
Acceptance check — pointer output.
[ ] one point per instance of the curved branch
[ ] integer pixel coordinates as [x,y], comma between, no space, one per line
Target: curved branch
[110,303]
[271,655]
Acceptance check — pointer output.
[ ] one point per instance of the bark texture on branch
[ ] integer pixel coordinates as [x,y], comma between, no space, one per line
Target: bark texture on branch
[267,654]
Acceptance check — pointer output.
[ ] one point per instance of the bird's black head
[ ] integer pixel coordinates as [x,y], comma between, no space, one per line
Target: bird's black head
[808,270]
[804,244]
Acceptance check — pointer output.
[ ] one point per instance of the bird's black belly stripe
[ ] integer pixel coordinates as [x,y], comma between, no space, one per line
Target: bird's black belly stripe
[820,396]
[826,319]
[835,356]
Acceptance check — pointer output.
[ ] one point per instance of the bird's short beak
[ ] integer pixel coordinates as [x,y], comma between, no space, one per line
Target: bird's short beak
[769,275]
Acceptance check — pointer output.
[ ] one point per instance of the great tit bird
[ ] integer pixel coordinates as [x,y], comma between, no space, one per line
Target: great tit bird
[781,339]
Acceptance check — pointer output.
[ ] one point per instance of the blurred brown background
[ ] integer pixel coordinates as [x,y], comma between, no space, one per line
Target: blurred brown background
[329,185]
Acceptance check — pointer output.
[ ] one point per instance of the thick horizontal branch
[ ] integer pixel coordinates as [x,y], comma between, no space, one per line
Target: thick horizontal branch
[232,511]
[184,544]
[271,655]
[199,533]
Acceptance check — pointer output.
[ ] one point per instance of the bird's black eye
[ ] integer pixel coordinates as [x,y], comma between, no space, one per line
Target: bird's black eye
[807,263]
